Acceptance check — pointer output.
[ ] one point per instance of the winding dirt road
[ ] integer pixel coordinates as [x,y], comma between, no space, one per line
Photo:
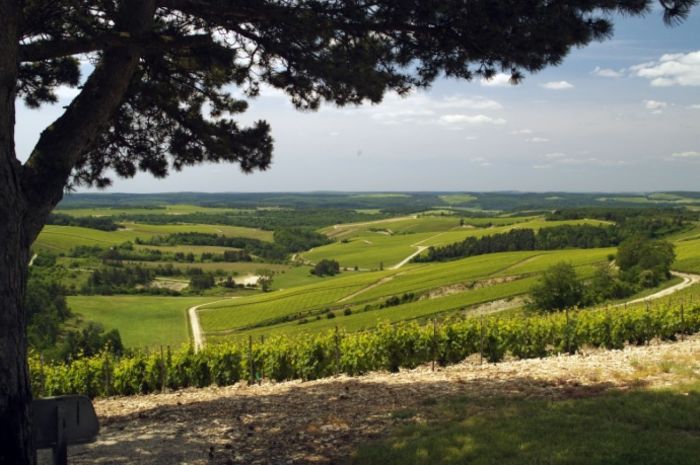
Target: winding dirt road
[197,333]
[688,280]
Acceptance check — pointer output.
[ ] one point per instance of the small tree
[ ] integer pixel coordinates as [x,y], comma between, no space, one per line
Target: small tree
[265,279]
[645,261]
[201,282]
[558,288]
[326,268]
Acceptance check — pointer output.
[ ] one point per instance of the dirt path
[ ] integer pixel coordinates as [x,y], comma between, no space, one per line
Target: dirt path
[369,288]
[197,333]
[688,280]
[322,422]
[420,249]
[31,262]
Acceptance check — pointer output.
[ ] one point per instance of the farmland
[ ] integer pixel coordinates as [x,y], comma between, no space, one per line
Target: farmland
[377,280]
[386,243]
[448,287]
[64,238]
[143,321]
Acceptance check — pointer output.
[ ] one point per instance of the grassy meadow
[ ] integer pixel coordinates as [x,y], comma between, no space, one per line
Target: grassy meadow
[142,321]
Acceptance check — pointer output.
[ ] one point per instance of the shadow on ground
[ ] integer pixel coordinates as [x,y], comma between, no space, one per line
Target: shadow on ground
[447,421]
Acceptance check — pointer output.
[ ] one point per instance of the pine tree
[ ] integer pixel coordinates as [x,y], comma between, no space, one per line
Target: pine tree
[157,97]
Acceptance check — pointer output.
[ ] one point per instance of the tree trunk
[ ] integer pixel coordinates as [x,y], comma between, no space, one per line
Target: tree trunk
[16,441]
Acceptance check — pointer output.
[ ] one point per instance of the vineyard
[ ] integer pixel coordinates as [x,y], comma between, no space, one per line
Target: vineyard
[388,347]
[355,299]
[386,242]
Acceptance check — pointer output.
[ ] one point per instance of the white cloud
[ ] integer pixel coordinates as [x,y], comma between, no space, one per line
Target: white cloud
[542,167]
[471,137]
[481,161]
[478,103]
[695,107]
[334,133]
[521,131]
[557,85]
[537,139]
[498,80]
[458,119]
[555,155]
[607,72]
[654,105]
[686,155]
[421,108]
[673,69]
[401,116]
[562,159]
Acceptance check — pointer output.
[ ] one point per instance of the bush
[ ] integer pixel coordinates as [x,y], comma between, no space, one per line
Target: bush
[557,289]
[326,268]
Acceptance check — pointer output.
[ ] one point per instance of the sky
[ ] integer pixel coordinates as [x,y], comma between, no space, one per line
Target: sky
[619,115]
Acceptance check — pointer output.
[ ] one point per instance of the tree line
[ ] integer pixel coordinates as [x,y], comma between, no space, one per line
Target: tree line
[93,222]
[286,241]
[554,238]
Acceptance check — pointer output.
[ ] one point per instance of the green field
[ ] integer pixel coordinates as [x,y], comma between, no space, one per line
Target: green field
[142,321]
[456,199]
[368,249]
[451,286]
[688,256]
[64,238]
[300,302]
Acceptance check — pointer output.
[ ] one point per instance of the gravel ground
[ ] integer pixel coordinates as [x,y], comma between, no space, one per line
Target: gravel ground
[323,421]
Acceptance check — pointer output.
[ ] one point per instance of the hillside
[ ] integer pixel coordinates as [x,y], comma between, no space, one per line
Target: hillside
[326,421]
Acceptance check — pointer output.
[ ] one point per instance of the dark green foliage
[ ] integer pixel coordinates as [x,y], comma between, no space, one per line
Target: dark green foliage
[608,284]
[299,239]
[89,341]
[201,282]
[44,260]
[395,300]
[647,222]
[45,303]
[326,267]
[558,288]
[554,238]
[92,222]
[645,261]
[262,249]
[271,220]
[117,280]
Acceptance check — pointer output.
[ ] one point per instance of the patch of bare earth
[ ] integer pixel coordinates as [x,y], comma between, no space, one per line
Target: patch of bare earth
[323,421]
[468,286]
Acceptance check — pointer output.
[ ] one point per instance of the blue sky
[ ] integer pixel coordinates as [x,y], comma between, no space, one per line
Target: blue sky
[621,115]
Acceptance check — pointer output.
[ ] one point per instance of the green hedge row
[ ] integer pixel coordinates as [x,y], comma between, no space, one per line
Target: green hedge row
[388,347]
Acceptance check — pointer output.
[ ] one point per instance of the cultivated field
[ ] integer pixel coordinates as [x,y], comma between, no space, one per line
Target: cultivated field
[142,321]
[64,238]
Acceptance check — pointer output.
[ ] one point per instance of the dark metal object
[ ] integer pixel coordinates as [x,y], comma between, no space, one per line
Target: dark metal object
[63,421]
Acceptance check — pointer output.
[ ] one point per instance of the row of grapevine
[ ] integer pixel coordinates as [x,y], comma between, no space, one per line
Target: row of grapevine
[388,347]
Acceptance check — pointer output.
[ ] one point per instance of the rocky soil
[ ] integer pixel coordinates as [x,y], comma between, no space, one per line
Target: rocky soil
[321,422]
